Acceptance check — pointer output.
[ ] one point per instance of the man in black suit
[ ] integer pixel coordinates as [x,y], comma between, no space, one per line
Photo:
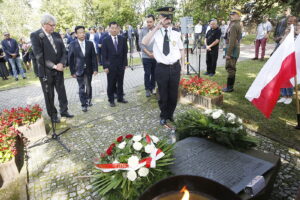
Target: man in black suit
[50,53]
[114,57]
[83,64]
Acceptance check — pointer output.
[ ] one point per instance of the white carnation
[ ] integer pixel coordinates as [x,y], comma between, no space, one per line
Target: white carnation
[216,115]
[122,145]
[231,116]
[208,111]
[240,120]
[133,162]
[137,146]
[137,138]
[154,139]
[131,175]
[143,172]
[149,148]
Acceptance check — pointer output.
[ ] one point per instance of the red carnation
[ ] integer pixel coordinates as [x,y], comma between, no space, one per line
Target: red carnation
[129,136]
[119,139]
[109,151]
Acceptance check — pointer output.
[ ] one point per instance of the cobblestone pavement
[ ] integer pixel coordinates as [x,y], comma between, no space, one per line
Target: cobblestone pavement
[56,174]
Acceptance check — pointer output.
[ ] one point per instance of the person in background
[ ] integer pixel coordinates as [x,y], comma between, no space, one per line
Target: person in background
[212,41]
[11,49]
[263,30]
[223,28]
[83,65]
[197,34]
[149,62]
[234,33]
[26,49]
[3,70]
[287,93]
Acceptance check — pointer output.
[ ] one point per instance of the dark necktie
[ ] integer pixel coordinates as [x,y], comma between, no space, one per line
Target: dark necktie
[166,47]
[116,43]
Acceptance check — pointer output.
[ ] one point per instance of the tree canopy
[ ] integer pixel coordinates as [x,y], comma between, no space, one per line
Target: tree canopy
[20,17]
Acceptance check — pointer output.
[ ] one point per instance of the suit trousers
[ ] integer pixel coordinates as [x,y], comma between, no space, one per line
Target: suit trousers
[211,60]
[115,77]
[55,80]
[85,88]
[167,78]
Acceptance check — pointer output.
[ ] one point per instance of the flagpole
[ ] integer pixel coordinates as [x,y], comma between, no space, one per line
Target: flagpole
[297,104]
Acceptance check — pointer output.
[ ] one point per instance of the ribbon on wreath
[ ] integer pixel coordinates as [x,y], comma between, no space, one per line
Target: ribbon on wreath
[149,162]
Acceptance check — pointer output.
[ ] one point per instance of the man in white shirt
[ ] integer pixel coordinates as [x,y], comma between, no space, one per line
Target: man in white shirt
[198,31]
[169,52]
[263,30]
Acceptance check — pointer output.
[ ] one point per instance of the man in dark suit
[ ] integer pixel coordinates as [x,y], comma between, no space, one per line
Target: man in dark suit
[114,57]
[12,55]
[50,53]
[83,64]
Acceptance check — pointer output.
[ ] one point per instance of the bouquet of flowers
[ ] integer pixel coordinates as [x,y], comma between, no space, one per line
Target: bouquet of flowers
[21,116]
[199,86]
[130,165]
[216,125]
[8,136]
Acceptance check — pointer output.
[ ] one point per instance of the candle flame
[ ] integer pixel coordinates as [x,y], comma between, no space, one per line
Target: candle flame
[186,195]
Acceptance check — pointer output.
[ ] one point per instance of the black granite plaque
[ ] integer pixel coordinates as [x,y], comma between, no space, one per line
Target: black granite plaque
[200,157]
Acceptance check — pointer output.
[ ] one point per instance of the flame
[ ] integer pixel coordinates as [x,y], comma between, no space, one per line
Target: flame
[186,195]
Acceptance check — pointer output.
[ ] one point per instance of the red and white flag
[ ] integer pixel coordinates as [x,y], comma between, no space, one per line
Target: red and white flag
[278,72]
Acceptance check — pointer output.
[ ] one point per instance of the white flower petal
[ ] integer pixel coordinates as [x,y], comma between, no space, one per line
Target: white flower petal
[131,175]
[143,172]
[133,162]
[137,138]
[122,145]
[137,146]
[154,139]
[149,148]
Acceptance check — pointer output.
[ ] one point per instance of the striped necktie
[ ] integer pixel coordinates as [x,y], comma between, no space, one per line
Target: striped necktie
[52,43]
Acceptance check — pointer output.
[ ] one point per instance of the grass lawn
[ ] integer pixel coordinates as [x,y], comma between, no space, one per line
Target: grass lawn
[31,79]
[249,39]
[279,127]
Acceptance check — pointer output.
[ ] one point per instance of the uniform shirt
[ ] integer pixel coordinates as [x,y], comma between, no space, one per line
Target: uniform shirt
[175,44]
[213,35]
[263,29]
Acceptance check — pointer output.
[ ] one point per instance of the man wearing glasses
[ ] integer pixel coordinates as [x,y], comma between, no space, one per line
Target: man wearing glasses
[50,53]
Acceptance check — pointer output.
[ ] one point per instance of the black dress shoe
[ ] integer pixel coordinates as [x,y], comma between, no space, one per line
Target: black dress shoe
[56,120]
[112,104]
[84,109]
[67,115]
[162,122]
[122,101]
[89,104]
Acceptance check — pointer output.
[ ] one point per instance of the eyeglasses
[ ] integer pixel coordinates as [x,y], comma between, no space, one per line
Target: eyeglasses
[52,25]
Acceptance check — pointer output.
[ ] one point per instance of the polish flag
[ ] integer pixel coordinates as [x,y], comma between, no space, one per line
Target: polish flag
[278,72]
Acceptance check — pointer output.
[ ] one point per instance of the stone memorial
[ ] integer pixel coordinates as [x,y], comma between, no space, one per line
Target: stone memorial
[200,157]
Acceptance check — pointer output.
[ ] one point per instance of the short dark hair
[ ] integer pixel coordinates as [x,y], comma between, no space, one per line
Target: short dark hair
[152,16]
[113,23]
[79,27]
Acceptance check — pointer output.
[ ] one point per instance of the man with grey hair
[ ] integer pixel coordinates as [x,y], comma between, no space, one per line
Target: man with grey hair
[212,40]
[50,53]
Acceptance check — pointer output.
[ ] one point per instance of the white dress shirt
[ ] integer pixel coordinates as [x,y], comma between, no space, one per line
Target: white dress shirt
[198,28]
[175,44]
[82,46]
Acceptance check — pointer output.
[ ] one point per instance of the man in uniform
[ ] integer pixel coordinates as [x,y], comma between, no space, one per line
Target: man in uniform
[168,51]
[233,38]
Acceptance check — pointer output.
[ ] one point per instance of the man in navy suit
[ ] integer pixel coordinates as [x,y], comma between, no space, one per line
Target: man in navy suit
[11,49]
[114,57]
[83,64]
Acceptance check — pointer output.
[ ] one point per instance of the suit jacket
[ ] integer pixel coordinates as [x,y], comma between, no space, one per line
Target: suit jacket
[112,59]
[10,49]
[78,62]
[45,54]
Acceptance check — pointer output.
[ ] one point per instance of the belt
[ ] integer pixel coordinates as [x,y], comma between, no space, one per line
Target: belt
[170,65]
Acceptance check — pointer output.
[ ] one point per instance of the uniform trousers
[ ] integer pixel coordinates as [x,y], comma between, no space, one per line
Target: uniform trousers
[55,80]
[167,78]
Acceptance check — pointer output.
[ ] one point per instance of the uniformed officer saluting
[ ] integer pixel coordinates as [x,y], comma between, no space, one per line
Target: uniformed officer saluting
[168,51]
